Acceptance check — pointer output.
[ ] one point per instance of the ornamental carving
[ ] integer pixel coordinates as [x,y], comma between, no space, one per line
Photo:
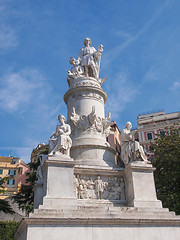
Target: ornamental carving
[91,123]
[86,94]
[84,84]
[96,187]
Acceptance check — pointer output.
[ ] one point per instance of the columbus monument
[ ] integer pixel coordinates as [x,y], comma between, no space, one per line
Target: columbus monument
[82,192]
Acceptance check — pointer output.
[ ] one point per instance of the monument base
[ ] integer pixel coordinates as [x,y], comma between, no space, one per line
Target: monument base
[105,223]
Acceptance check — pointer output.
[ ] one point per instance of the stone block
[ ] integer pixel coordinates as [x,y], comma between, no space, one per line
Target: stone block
[140,187]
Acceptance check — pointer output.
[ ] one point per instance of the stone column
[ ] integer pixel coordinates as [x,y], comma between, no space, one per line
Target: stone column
[85,101]
[140,187]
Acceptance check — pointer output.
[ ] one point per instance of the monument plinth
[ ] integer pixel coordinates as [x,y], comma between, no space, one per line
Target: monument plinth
[81,192]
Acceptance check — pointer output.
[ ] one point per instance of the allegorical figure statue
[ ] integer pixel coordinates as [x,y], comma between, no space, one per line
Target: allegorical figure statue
[76,70]
[89,57]
[131,150]
[60,142]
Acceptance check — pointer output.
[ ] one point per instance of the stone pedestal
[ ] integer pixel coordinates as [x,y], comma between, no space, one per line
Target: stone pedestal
[58,185]
[140,187]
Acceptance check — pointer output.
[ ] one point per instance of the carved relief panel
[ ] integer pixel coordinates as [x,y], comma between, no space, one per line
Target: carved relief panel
[91,123]
[99,187]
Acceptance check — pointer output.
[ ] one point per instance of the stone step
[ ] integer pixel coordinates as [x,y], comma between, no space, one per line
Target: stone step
[104,213]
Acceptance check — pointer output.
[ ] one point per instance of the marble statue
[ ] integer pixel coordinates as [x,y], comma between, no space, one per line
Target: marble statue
[99,187]
[41,158]
[89,57]
[131,150]
[76,70]
[87,64]
[60,142]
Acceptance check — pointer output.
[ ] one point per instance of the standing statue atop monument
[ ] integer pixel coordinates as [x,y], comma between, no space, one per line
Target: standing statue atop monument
[88,57]
[88,62]
[60,142]
[131,150]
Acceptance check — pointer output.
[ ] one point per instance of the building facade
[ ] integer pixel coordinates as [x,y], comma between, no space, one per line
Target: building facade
[150,125]
[114,138]
[15,169]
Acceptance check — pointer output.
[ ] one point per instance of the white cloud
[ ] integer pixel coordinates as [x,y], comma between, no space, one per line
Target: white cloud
[8,34]
[18,89]
[120,93]
[27,91]
[22,152]
[175,86]
[123,34]
[27,95]
[152,75]
[8,37]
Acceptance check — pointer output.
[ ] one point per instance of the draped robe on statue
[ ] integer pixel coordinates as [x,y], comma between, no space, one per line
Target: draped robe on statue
[88,57]
[130,149]
[60,140]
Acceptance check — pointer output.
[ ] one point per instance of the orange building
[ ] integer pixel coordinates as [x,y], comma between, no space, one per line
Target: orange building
[15,169]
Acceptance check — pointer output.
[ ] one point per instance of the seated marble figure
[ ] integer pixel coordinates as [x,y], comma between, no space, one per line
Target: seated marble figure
[131,150]
[60,142]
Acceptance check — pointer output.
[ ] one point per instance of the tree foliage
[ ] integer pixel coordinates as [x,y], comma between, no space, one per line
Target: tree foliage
[167,163]
[8,229]
[25,197]
[4,204]
[6,207]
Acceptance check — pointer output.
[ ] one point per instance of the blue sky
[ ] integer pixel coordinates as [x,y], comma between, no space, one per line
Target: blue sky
[141,60]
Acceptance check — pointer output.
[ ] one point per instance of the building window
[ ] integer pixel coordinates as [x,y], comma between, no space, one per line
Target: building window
[26,181]
[1,171]
[12,172]
[20,171]
[11,182]
[162,133]
[149,136]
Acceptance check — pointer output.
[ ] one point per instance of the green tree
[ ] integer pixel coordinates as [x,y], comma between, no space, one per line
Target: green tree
[167,163]
[4,204]
[8,229]
[25,197]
